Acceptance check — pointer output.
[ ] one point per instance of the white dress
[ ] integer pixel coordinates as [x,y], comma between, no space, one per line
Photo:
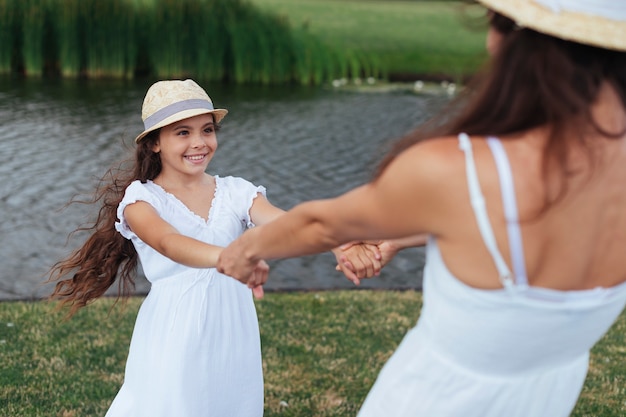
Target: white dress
[519,351]
[195,349]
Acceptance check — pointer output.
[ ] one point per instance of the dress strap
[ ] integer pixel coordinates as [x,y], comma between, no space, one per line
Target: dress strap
[480,211]
[509,202]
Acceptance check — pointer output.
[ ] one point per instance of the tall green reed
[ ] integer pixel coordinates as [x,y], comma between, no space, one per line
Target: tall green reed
[32,31]
[208,36]
[8,20]
[209,39]
[67,23]
[306,58]
[168,34]
[108,35]
[244,46]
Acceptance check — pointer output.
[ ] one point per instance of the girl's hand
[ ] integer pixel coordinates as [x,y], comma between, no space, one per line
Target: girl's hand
[358,260]
[259,274]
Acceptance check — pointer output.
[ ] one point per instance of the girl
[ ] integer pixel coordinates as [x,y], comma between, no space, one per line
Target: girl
[195,349]
[523,195]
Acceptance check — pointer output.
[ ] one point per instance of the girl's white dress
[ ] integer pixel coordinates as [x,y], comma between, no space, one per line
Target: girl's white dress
[520,351]
[195,349]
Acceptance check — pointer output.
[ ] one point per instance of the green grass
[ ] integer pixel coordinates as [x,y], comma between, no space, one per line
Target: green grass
[321,353]
[425,37]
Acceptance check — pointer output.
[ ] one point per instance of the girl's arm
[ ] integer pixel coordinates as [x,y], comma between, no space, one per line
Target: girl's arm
[146,223]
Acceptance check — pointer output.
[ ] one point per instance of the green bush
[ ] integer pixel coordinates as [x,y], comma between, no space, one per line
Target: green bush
[230,40]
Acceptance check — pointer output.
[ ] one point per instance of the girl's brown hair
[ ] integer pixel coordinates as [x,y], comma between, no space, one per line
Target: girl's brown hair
[533,80]
[96,264]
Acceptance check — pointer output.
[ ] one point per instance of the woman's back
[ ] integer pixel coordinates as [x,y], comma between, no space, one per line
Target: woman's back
[577,243]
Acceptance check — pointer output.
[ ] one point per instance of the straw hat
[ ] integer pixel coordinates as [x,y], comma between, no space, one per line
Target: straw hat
[167,102]
[600,23]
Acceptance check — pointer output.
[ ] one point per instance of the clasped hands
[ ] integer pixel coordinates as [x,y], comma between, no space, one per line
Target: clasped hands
[357,260]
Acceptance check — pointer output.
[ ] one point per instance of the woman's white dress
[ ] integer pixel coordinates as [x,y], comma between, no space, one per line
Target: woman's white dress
[520,351]
[195,349]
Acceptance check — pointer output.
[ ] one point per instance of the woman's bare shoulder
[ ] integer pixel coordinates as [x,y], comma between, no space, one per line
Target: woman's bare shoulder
[425,183]
[433,160]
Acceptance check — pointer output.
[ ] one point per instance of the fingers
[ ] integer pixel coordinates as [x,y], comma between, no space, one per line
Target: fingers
[259,275]
[258,292]
[364,263]
[374,249]
[348,272]
[358,267]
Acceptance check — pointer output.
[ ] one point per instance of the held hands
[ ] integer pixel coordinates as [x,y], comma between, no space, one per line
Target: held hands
[254,274]
[356,267]
[358,260]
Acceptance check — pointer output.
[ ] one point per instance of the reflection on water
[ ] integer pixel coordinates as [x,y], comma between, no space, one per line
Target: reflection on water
[58,136]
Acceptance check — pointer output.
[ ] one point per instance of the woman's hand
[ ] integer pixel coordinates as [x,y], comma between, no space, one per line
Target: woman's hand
[233,263]
[366,259]
[358,260]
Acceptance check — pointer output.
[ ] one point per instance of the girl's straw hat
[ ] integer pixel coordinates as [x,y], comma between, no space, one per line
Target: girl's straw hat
[167,102]
[600,23]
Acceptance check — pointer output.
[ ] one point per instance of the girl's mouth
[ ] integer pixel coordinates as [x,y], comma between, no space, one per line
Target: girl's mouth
[195,158]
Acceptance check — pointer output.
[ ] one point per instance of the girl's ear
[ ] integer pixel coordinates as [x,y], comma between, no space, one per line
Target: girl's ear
[156,148]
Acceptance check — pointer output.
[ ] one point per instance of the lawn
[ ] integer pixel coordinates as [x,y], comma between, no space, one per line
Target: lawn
[409,37]
[321,353]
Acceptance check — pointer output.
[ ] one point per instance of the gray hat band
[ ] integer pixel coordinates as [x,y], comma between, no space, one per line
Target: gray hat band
[172,109]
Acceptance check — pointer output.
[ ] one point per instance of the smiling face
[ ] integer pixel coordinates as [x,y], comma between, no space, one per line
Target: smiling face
[186,147]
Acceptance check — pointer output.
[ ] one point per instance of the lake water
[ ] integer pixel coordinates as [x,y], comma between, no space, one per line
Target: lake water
[58,136]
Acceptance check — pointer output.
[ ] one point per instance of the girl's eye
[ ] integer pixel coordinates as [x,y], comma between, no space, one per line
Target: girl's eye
[182,132]
[209,129]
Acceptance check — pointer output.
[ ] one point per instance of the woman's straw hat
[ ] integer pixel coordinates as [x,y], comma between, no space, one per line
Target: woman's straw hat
[170,101]
[600,23]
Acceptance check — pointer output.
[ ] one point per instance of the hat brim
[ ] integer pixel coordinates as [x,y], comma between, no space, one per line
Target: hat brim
[182,115]
[577,27]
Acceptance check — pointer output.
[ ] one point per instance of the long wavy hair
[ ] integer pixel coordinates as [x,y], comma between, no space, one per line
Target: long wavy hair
[533,80]
[106,256]
[95,266]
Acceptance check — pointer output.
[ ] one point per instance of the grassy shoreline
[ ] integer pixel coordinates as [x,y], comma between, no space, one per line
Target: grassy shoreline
[321,353]
[427,40]
[310,42]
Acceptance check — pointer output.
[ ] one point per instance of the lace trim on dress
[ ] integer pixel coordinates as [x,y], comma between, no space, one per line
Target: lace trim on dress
[179,203]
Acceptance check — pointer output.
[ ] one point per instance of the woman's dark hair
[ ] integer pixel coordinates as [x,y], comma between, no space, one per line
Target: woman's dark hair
[533,80]
[106,253]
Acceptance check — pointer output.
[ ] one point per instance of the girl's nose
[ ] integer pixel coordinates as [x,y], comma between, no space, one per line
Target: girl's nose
[196,140]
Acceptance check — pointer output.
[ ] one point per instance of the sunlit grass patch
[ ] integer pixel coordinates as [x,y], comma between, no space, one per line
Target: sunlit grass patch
[406,37]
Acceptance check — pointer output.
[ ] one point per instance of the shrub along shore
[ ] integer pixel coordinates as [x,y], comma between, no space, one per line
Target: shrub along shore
[239,41]
[229,40]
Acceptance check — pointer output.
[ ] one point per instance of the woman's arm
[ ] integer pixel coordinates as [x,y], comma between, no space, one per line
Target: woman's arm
[359,261]
[403,202]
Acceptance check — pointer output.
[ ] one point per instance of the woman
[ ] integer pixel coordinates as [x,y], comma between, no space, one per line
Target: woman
[522,194]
